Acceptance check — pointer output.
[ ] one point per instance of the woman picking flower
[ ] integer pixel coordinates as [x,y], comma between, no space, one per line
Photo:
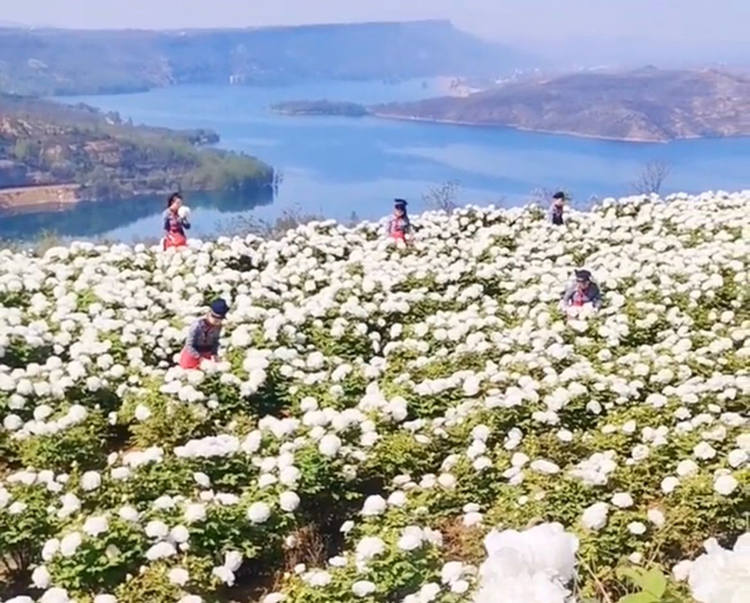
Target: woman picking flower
[175,222]
[583,291]
[203,338]
[399,226]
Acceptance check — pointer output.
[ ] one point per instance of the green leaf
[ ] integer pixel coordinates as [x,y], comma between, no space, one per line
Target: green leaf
[638,598]
[636,576]
[654,583]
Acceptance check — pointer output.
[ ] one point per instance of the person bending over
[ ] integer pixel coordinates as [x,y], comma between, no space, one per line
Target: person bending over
[203,337]
[583,291]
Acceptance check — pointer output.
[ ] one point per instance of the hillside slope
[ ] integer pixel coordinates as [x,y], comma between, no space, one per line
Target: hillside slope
[642,105]
[45,143]
[388,408]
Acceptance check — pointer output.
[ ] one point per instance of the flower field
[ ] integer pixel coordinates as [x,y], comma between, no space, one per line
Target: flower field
[386,424]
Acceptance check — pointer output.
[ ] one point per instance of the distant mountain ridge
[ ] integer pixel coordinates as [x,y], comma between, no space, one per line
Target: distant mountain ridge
[56,61]
[646,104]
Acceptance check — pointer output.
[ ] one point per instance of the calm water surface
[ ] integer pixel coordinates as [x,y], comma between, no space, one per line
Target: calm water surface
[337,166]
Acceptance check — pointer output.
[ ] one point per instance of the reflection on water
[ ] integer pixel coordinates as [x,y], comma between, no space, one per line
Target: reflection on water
[92,219]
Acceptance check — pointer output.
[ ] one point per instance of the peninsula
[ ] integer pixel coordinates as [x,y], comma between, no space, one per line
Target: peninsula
[645,105]
[320,107]
[52,153]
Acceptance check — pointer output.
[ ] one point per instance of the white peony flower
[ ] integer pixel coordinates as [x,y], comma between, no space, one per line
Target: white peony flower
[668,484]
[411,538]
[637,528]
[69,544]
[90,480]
[369,547]
[725,485]
[156,529]
[160,550]
[41,578]
[374,505]
[94,526]
[656,517]
[362,588]
[720,575]
[622,500]
[195,512]
[595,516]
[258,512]
[329,445]
[178,576]
[289,501]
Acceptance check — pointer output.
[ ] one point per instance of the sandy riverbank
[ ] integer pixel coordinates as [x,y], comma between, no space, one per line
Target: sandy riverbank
[27,197]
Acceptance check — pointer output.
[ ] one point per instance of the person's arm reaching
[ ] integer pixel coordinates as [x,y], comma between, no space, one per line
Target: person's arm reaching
[185,223]
[166,223]
[567,296]
[215,344]
[596,297]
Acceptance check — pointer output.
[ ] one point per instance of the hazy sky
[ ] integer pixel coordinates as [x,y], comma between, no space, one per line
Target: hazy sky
[664,24]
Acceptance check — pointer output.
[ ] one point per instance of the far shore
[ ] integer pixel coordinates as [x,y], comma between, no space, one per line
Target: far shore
[452,122]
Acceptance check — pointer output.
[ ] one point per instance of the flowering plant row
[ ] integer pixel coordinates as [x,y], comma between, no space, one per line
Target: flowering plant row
[385,423]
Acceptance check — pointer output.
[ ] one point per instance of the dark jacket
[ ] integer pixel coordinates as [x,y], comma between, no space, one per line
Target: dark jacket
[556,214]
[203,338]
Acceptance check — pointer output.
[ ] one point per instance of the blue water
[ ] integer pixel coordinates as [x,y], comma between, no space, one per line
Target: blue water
[336,166]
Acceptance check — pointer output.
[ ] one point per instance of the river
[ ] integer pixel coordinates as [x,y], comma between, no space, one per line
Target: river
[342,167]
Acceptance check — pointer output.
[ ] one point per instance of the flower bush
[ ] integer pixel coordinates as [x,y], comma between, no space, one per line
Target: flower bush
[385,423]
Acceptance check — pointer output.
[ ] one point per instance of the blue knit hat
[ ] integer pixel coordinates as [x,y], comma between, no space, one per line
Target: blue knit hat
[219,308]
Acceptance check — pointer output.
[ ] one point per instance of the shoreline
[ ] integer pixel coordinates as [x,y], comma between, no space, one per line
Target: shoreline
[39,196]
[471,124]
[61,197]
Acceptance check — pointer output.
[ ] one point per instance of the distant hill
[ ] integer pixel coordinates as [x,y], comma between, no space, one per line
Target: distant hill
[647,104]
[54,61]
[96,155]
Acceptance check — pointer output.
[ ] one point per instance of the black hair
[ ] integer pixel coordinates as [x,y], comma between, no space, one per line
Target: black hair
[559,195]
[171,199]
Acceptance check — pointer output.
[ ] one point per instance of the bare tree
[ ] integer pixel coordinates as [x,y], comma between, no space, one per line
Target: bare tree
[442,197]
[289,219]
[652,178]
[541,196]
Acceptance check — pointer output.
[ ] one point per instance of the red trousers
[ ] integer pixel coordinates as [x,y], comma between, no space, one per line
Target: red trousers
[188,361]
[174,239]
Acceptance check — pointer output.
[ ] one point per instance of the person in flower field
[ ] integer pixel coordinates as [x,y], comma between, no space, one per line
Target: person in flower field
[557,208]
[583,291]
[399,225]
[175,222]
[203,337]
